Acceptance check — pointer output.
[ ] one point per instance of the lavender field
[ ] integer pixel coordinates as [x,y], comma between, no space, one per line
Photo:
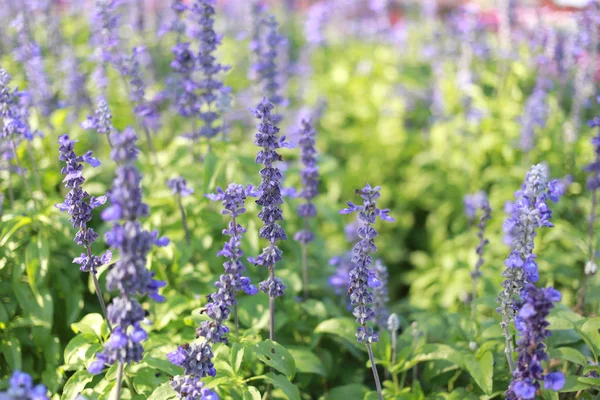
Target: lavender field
[329,200]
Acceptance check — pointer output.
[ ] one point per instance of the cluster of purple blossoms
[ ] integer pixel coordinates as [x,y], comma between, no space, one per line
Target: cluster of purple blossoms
[133,243]
[343,264]
[21,388]
[535,113]
[593,180]
[179,187]
[220,304]
[74,84]
[192,388]
[527,213]
[211,88]
[101,121]
[29,53]
[267,72]
[13,114]
[106,24]
[317,17]
[79,204]
[196,361]
[310,181]
[531,323]
[362,278]
[270,196]
[381,294]
[474,202]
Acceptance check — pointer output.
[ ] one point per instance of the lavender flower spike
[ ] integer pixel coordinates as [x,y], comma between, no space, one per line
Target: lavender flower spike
[593,184]
[270,200]
[486,215]
[79,205]
[528,213]
[381,295]
[21,388]
[101,121]
[310,182]
[221,303]
[266,70]
[362,278]
[129,275]
[532,324]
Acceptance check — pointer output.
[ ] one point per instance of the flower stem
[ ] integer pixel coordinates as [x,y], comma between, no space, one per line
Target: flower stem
[394,337]
[119,384]
[509,347]
[592,250]
[237,321]
[374,367]
[18,162]
[272,307]
[305,270]
[101,299]
[183,220]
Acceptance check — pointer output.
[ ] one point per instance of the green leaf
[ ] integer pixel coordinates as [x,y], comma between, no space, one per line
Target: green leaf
[251,393]
[431,352]
[162,365]
[147,379]
[76,384]
[276,356]
[573,385]
[353,391]
[288,388]
[237,356]
[569,354]
[210,166]
[78,349]
[307,362]
[11,351]
[342,327]
[590,381]
[482,370]
[589,331]
[163,392]
[90,324]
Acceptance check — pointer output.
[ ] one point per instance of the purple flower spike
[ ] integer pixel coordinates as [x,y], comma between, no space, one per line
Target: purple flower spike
[270,196]
[133,243]
[179,187]
[362,278]
[21,388]
[532,328]
[221,302]
[266,46]
[78,203]
[310,180]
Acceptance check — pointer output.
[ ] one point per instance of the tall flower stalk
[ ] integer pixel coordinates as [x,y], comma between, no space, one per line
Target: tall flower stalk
[531,323]
[221,303]
[310,182]
[486,214]
[528,213]
[129,275]
[14,127]
[179,188]
[362,278]
[267,46]
[593,183]
[201,100]
[270,199]
[79,205]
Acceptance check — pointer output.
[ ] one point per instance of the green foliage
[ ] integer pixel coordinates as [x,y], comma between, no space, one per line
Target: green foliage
[50,321]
